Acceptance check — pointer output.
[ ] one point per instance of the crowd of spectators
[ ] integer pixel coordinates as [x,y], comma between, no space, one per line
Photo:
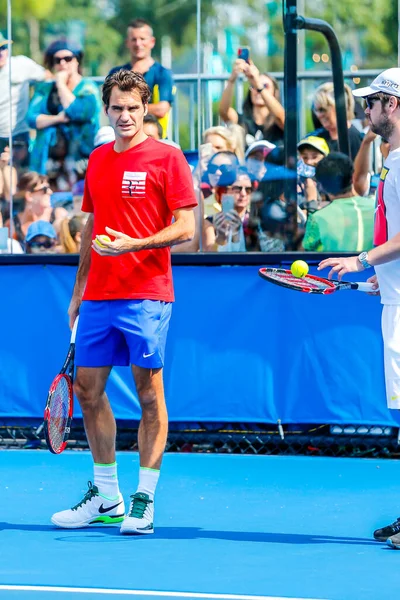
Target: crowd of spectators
[239,175]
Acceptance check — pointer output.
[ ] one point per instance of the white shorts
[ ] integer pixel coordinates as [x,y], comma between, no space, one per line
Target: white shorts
[391,347]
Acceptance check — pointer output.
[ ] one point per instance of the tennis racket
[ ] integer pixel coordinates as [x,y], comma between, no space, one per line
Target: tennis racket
[311,284]
[60,403]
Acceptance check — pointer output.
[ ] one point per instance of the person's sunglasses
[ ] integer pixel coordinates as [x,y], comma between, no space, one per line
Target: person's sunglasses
[265,86]
[57,60]
[370,101]
[48,244]
[3,48]
[239,188]
[213,169]
[45,189]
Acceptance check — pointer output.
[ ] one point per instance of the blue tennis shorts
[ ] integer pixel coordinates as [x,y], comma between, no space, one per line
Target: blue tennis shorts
[122,332]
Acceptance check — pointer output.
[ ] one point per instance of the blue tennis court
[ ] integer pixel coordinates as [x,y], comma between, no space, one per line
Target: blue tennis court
[226,527]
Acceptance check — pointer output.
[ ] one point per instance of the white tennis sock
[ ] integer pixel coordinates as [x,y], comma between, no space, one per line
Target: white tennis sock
[148,479]
[106,479]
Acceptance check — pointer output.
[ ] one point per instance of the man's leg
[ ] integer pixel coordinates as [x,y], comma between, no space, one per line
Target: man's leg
[391,348]
[103,503]
[153,430]
[98,418]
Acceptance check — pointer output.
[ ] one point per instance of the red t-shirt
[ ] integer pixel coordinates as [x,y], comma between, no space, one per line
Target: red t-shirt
[135,192]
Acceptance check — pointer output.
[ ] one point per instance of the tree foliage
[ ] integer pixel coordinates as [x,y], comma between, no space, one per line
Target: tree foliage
[367,30]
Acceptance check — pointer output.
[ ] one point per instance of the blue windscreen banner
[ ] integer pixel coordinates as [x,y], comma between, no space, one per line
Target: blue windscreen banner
[239,350]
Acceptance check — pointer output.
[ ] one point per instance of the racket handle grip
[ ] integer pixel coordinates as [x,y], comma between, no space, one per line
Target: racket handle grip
[363,286]
[75,327]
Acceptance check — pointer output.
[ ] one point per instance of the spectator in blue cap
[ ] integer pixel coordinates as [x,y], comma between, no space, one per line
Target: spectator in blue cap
[221,169]
[225,231]
[65,112]
[41,238]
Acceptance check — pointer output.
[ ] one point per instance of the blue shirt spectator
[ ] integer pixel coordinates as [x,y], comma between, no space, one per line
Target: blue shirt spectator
[140,42]
[65,112]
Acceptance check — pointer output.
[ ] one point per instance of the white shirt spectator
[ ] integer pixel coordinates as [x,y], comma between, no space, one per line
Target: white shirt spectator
[13,247]
[23,71]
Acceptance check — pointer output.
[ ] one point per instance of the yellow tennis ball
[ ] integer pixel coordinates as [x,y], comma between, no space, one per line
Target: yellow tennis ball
[105,238]
[299,268]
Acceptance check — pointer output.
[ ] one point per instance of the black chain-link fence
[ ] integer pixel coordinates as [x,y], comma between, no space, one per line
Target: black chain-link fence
[234,438]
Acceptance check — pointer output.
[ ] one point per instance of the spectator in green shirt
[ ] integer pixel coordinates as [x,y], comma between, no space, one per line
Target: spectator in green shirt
[346,224]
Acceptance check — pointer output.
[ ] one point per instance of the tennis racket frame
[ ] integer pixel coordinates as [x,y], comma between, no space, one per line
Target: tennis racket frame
[66,373]
[331,284]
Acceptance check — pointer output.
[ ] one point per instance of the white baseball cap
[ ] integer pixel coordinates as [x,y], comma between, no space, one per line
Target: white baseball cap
[104,135]
[267,147]
[387,82]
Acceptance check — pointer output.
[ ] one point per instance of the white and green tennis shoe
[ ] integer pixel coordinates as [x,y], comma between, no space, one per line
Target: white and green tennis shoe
[93,509]
[139,519]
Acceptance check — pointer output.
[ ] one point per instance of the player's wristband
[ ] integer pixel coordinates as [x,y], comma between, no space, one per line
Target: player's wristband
[363,258]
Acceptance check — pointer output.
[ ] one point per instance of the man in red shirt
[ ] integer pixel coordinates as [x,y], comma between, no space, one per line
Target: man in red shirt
[139,192]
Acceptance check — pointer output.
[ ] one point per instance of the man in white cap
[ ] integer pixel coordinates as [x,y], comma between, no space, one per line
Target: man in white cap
[23,71]
[382,99]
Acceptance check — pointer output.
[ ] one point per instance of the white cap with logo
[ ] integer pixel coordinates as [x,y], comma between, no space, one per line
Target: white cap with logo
[387,82]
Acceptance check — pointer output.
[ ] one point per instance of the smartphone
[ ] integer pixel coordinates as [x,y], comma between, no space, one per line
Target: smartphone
[244,53]
[206,151]
[227,202]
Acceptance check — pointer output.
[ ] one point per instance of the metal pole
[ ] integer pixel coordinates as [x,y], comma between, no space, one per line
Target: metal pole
[291,119]
[301,65]
[10,140]
[337,76]
[199,110]
[398,35]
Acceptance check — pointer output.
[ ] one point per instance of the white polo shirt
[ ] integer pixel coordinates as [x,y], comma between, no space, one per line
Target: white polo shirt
[23,71]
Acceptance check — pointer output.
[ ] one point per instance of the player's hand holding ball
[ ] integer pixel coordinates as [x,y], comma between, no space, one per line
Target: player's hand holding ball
[102,238]
[299,268]
[121,244]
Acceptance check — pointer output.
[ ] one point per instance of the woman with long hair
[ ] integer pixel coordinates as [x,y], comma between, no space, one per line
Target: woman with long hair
[70,234]
[263,115]
[323,106]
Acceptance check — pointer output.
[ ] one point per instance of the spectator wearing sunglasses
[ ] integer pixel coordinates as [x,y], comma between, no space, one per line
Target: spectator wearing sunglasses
[32,203]
[65,112]
[263,116]
[41,238]
[221,168]
[224,231]
[323,106]
[23,71]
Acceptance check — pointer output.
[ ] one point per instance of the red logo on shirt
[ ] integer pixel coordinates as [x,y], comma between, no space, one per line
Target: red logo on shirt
[134,185]
[380,224]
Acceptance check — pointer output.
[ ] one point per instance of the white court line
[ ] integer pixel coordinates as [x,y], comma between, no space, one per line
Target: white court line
[150,593]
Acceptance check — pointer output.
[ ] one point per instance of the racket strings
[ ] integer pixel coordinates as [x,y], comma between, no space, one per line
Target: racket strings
[59,410]
[307,282]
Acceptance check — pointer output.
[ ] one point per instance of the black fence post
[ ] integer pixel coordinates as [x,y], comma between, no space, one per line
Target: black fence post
[291,118]
[291,23]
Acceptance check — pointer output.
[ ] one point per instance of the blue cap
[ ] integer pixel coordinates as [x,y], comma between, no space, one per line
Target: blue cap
[40,228]
[63,45]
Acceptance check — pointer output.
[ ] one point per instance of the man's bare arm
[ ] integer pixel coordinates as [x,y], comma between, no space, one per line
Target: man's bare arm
[159,109]
[181,230]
